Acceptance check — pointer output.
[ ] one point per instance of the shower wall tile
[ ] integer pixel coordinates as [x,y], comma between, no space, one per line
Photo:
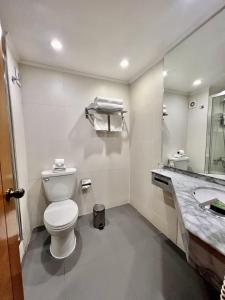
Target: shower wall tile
[55,127]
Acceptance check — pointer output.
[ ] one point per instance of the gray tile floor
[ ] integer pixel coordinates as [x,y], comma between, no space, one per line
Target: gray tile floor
[128,260]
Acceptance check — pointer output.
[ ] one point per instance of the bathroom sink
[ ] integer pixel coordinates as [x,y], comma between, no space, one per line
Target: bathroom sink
[206,196]
[203,194]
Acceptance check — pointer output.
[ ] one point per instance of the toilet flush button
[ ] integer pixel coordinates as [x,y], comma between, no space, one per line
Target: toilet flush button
[46,179]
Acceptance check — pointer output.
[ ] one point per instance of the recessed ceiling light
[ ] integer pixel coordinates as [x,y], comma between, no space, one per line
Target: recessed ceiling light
[56,45]
[165,73]
[124,63]
[197,82]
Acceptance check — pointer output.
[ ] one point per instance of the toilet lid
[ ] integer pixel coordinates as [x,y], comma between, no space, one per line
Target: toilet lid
[60,214]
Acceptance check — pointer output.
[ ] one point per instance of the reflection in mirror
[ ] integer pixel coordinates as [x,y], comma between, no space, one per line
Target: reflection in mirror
[194,101]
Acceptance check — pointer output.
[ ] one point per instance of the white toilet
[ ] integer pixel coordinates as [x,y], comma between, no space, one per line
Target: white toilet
[61,215]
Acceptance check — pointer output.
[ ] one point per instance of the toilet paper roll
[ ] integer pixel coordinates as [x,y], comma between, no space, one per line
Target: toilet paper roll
[85,184]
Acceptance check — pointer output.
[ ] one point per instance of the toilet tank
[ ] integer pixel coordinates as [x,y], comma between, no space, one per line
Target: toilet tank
[59,185]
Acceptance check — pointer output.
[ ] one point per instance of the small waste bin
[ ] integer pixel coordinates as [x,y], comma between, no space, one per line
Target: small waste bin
[99,216]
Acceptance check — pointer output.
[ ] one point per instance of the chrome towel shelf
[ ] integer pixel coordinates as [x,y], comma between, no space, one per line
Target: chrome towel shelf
[90,115]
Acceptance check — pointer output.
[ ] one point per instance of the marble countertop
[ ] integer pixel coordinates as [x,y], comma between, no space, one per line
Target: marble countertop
[201,223]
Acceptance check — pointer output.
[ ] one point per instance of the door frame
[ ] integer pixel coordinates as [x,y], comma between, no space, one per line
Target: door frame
[11,130]
[11,287]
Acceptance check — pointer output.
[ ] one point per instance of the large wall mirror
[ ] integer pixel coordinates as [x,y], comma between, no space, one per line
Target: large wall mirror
[194,101]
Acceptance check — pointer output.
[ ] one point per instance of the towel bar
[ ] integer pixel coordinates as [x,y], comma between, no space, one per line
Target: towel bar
[90,115]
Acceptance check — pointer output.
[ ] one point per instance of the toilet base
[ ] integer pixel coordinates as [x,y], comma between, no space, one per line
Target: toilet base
[63,245]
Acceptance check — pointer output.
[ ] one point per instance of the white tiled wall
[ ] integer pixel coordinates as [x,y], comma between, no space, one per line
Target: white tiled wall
[197,130]
[118,164]
[175,124]
[55,127]
[145,151]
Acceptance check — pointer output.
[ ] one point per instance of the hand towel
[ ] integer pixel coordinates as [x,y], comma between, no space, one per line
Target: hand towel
[116,123]
[101,122]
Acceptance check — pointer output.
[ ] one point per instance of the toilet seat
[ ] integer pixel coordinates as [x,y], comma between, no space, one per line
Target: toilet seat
[61,215]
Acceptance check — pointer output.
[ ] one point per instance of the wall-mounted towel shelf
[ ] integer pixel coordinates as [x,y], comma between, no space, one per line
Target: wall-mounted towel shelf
[90,114]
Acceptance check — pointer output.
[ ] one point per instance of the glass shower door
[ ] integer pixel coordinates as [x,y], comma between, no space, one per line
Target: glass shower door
[216,162]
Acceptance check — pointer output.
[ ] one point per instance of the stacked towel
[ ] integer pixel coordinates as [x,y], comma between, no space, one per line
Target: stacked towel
[108,105]
[109,100]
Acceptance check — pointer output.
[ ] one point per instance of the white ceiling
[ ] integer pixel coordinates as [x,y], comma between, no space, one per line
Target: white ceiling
[201,56]
[97,34]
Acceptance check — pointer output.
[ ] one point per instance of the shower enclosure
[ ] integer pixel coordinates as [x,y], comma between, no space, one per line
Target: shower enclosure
[215,152]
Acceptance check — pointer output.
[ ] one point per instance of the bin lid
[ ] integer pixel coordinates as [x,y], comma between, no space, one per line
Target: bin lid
[99,207]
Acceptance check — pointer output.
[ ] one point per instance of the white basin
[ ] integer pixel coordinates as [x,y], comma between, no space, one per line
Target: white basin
[203,194]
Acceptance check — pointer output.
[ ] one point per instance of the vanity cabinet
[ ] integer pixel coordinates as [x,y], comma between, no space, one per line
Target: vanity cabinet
[199,235]
[171,226]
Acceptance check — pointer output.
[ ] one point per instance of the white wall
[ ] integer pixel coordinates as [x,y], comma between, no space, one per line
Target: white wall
[145,151]
[175,124]
[55,127]
[197,131]
[20,146]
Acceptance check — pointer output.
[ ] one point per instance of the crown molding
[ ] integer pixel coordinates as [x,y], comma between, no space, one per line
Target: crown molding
[71,71]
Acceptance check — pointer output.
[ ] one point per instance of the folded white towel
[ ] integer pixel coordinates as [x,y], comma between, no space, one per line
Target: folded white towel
[108,107]
[92,106]
[101,122]
[108,104]
[105,107]
[59,162]
[116,123]
[108,100]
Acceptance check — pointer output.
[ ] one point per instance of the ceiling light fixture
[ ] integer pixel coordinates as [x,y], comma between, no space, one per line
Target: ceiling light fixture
[56,45]
[197,82]
[165,73]
[124,63]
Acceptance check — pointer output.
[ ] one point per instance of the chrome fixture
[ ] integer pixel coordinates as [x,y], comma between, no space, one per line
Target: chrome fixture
[85,184]
[16,78]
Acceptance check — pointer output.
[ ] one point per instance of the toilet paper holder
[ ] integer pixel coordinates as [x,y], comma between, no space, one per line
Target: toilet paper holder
[85,184]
